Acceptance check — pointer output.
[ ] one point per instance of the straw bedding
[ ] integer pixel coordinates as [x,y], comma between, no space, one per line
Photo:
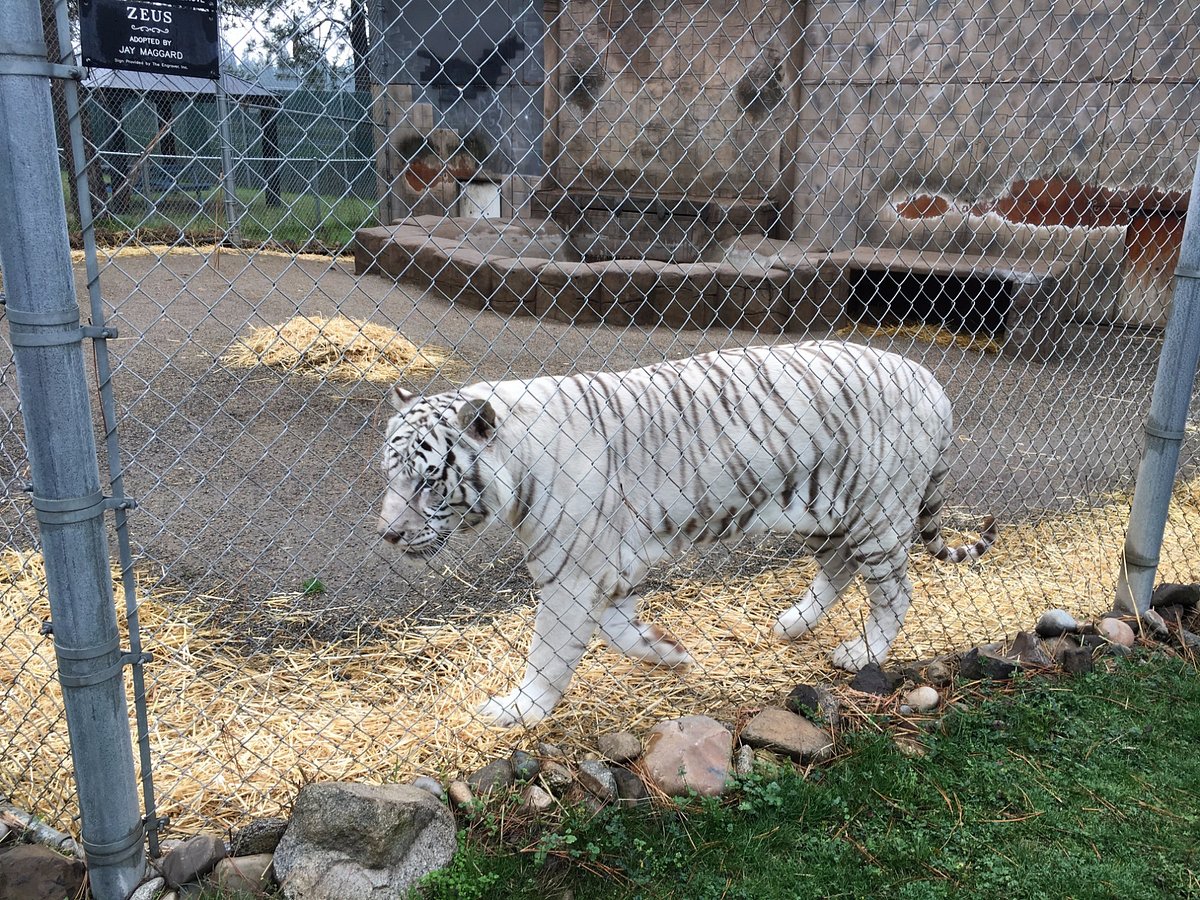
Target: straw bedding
[337,347]
[927,334]
[234,734]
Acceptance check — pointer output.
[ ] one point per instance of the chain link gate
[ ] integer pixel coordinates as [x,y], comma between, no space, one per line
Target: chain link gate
[431,196]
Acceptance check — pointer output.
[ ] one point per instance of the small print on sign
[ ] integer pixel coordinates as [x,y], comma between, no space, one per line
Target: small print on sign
[169,37]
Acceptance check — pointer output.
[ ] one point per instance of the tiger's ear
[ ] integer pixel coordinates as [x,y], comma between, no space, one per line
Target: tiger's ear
[401,399]
[477,417]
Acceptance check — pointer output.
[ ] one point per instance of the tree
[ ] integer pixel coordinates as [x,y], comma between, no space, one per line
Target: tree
[311,40]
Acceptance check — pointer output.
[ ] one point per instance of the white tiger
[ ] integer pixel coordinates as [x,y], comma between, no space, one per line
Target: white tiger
[603,474]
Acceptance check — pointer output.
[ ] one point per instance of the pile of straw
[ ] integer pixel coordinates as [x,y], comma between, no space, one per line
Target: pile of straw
[336,347]
[234,734]
[928,334]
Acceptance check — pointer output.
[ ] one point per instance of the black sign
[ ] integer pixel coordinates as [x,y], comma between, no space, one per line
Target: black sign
[169,37]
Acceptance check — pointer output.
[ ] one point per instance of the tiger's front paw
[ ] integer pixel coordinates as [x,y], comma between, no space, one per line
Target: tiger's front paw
[517,708]
[795,622]
[854,655]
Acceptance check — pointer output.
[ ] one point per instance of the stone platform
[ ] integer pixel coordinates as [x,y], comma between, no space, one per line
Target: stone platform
[752,282]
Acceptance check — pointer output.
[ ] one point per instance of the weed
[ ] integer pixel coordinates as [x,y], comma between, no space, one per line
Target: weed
[1037,790]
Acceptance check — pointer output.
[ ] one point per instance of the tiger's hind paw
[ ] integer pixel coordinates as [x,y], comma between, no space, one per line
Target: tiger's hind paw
[645,641]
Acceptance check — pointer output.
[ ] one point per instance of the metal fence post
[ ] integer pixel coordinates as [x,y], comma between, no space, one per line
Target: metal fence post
[228,182]
[46,335]
[1165,422]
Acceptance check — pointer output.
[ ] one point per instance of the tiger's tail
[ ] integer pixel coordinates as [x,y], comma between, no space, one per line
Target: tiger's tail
[929,528]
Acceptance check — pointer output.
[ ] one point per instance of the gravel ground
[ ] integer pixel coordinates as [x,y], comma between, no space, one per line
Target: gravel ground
[250,482]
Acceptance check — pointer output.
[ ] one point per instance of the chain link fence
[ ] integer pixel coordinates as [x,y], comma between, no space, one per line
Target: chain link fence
[995,192]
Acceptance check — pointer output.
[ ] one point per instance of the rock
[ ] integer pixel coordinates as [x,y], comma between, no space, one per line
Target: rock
[1056,647]
[1030,650]
[598,779]
[550,751]
[350,841]
[619,746]
[1119,650]
[804,700]
[496,775]
[556,776]
[933,671]
[786,732]
[1185,595]
[871,679]
[631,790]
[743,761]
[831,709]
[244,874]
[170,895]
[259,836]
[905,709]
[1077,660]
[3,827]
[1153,624]
[535,801]
[814,702]
[149,890]
[430,785]
[1092,642]
[194,858]
[1172,615]
[977,664]
[1117,632]
[688,754]
[460,794]
[1055,623]
[938,673]
[923,699]
[525,766]
[32,872]
[909,745]
[1188,640]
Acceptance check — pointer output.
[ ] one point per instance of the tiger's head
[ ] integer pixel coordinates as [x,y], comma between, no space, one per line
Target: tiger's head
[441,479]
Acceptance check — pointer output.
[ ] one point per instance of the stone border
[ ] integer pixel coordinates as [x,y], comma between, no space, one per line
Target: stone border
[518,267]
[480,266]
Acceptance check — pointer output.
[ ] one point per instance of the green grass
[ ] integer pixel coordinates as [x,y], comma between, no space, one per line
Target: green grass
[1078,788]
[302,223]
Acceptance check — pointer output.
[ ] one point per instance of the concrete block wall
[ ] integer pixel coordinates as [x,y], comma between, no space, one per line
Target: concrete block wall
[961,98]
[684,98]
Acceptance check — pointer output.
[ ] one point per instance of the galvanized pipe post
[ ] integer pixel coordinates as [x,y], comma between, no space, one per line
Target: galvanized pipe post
[46,335]
[228,181]
[1166,421]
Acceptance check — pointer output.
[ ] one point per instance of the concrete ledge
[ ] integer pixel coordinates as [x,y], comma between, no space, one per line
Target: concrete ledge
[515,267]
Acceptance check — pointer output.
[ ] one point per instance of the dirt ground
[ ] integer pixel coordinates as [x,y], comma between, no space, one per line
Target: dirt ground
[250,482]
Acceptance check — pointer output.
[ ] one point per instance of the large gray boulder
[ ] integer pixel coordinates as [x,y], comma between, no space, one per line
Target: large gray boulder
[28,872]
[362,842]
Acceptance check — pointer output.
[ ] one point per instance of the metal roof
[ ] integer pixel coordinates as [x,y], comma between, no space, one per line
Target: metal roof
[148,82]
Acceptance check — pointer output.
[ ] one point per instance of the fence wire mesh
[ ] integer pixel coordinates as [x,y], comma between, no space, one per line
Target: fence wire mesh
[437,195]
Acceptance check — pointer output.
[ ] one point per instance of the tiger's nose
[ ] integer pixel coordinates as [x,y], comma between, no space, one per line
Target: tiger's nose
[388,533]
